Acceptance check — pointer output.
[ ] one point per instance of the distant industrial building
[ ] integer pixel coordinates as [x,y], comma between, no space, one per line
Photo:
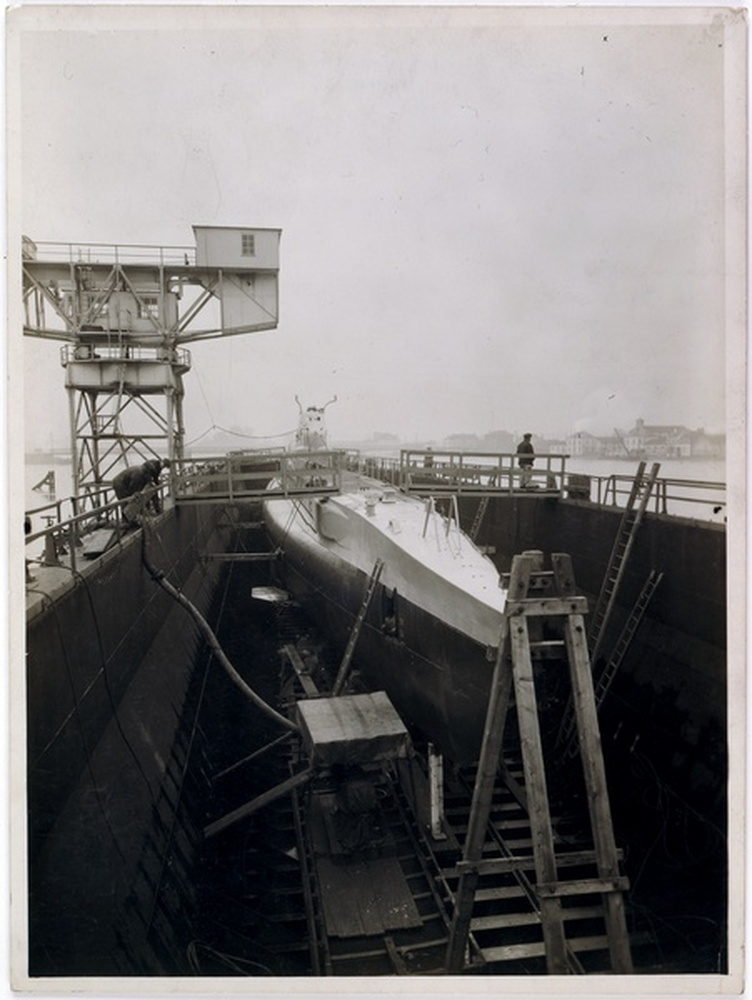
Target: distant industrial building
[649,441]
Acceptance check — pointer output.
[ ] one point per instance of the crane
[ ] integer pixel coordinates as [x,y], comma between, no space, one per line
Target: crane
[125,315]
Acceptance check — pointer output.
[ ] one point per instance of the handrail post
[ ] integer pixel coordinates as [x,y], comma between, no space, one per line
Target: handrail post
[72,536]
[429,509]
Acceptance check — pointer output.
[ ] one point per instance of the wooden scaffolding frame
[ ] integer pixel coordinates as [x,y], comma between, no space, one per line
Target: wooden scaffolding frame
[524,611]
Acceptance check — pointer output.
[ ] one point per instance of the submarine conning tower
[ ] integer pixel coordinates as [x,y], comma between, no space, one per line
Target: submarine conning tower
[125,315]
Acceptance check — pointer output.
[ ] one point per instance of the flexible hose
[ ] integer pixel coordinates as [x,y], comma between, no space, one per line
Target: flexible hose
[159,577]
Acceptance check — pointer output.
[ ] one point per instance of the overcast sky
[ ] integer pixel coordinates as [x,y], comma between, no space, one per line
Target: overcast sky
[487,221]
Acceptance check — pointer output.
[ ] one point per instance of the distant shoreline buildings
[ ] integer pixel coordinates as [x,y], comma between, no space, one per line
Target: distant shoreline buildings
[648,441]
[643,441]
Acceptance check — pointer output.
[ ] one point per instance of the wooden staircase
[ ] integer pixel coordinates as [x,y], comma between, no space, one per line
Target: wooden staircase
[564,888]
[506,930]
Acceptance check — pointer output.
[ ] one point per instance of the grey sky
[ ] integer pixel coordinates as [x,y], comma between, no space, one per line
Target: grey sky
[488,222]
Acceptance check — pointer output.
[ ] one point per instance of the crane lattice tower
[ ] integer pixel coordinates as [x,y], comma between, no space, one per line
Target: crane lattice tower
[125,315]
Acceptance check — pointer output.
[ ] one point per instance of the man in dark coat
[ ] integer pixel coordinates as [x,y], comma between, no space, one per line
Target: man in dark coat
[525,453]
[135,478]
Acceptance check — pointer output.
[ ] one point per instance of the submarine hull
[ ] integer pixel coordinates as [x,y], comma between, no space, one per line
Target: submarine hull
[431,628]
[437,678]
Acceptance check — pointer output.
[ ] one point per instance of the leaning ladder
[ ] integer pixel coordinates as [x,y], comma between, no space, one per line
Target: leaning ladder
[638,499]
[344,666]
[480,513]
[514,669]
[604,681]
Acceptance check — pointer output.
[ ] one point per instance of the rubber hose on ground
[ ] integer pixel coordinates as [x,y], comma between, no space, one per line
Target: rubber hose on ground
[159,576]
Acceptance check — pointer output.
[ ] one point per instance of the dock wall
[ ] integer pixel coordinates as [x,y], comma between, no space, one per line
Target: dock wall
[668,698]
[112,685]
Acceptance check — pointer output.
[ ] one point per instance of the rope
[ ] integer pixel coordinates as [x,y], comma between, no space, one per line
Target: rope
[239,434]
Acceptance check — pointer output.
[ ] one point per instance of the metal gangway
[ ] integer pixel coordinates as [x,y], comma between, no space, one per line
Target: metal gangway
[245,476]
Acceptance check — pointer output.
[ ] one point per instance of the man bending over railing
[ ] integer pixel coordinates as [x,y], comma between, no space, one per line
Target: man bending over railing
[133,480]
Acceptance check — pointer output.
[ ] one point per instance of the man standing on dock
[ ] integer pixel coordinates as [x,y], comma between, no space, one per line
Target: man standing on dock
[525,459]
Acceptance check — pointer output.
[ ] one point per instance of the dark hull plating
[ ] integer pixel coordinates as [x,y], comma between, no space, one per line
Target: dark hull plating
[437,678]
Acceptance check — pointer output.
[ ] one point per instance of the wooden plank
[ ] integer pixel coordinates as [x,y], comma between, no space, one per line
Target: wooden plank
[346,912]
[415,786]
[563,573]
[364,897]
[537,949]
[505,866]
[516,842]
[501,921]
[586,714]
[249,808]
[502,825]
[496,892]
[307,682]
[400,967]
[98,541]
[583,886]
[537,795]
[547,606]
[499,892]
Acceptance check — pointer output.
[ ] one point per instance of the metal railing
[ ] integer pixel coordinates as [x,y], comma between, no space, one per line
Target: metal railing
[386,470]
[458,472]
[67,521]
[256,475]
[275,473]
[108,253]
[669,494]
[423,471]
[120,351]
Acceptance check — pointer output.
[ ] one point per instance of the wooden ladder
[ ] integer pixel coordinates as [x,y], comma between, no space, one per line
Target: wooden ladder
[480,513]
[642,487]
[604,681]
[514,670]
[344,666]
